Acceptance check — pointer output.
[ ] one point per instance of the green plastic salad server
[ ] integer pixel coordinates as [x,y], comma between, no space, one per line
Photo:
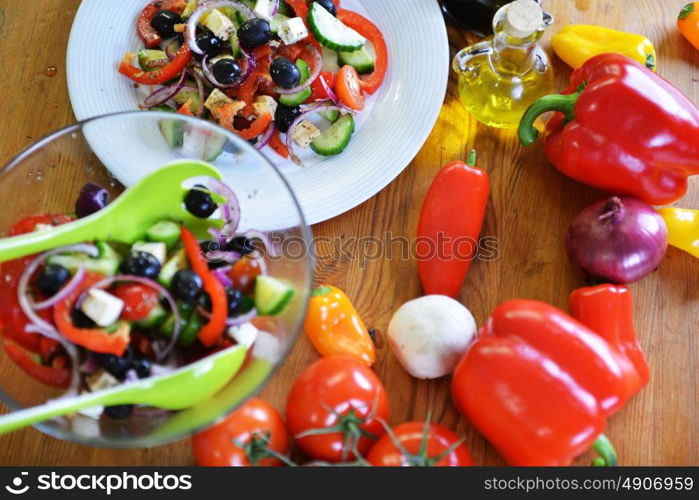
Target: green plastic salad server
[155,197]
[178,390]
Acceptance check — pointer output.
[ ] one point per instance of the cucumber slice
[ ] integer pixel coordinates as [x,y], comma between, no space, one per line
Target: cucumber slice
[184,95]
[152,59]
[335,139]
[155,318]
[271,295]
[331,115]
[277,21]
[285,10]
[298,98]
[165,231]
[173,132]
[360,60]
[106,252]
[331,32]
[107,267]
[190,331]
[214,147]
[176,263]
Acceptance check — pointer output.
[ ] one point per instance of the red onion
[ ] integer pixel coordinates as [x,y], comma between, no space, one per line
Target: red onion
[254,234]
[317,68]
[230,209]
[246,71]
[264,140]
[162,291]
[619,240]
[190,31]
[313,108]
[164,94]
[92,198]
[63,292]
[222,276]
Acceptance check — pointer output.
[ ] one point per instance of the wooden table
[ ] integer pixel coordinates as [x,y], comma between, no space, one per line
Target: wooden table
[530,209]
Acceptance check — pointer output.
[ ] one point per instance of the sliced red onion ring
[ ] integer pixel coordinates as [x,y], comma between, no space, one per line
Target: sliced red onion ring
[313,108]
[246,71]
[264,140]
[162,291]
[275,8]
[271,249]
[223,256]
[171,51]
[230,209]
[164,94]
[317,68]
[218,236]
[190,31]
[238,320]
[222,276]
[63,292]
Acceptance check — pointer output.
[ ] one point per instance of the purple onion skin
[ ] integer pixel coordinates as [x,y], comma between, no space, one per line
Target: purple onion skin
[91,199]
[617,240]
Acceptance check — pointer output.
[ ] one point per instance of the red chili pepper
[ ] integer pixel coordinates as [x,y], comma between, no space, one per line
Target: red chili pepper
[31,365]
[539,385]
[450,224]
[174,68]
[278,145]
[359,23]
[213,330]
[146,32]
[94,339]
[622,128]
[608,311]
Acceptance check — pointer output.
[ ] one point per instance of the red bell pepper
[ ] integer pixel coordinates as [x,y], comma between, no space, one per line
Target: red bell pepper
[359,23]
[318,92]
[539,385]
[621,128]
[450,224]
[94,339]
[213,330]
[608,311]
[162,75]
[31,364]
[278,145]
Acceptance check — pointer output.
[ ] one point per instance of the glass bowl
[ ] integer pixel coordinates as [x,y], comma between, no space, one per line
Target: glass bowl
[114,151]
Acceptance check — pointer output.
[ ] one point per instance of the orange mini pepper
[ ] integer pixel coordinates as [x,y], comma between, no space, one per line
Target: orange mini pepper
[688,23]
[334,327]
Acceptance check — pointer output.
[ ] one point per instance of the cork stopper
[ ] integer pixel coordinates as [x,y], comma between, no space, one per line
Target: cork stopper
[523,18]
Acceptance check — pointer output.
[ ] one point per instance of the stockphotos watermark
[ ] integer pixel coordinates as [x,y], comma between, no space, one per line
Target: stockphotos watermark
[107,483]
[363,249]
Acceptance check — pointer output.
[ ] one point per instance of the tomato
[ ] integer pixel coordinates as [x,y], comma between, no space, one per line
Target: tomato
[335,407]
[257,426]
[421,444]
[139,301]
[243,274]
[348,88]
[318,92]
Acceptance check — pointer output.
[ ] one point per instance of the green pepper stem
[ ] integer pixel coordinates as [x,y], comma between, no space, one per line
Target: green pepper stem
[564,103]
[607,454]
[471,162]
[321,290]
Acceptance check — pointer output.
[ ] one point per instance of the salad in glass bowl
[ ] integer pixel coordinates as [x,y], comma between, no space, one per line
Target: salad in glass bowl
[277,73]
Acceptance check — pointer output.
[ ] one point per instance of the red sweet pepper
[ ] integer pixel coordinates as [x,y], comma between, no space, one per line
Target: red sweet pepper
[539,385]
[450,224]
[213,330]
[359,23]
[278,145]
[31,364]
[162,75]
[621,128]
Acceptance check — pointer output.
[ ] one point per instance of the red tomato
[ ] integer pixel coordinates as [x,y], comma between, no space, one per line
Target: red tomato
[336,393]
[139,301]
[411,436]
[318,92]
[349,89]
[243,274]
[251,424]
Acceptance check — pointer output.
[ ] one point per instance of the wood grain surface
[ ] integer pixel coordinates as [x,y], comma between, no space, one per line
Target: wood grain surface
[530,208]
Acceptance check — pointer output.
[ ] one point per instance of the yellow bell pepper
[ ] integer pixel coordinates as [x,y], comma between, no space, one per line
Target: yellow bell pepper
[577,43]
[683,228]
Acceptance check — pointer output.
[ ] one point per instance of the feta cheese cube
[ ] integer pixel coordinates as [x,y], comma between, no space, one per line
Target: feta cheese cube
[292,30]
[305,133]
[217,99]
[158,250]
[102,307]
[265,103]
[219,24]
[245,334]
[101,380]
[264,8]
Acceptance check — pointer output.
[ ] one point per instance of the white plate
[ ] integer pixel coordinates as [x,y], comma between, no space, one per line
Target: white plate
[390,132]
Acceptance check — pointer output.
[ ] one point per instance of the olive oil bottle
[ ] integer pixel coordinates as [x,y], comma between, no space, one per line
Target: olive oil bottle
[499,78]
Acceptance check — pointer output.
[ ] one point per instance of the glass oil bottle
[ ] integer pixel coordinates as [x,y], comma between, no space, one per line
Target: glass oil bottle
[499,78]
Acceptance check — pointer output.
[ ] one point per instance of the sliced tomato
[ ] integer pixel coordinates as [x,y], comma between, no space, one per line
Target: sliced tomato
[348,88]
[244,272]
[139,300]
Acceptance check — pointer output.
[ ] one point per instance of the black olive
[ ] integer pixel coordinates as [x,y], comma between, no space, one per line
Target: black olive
[284,116]
[226,70]
[235,301]
[115,365]
[241,245]
[92,198]
[164,22]
[51,279]
[212,246]
[328,5]
[187,285]
[205,302]
[81,320]
[118,412]
[199,203]
[141,264]
[143,367]
[285,73]
[209,44]
[254,33]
